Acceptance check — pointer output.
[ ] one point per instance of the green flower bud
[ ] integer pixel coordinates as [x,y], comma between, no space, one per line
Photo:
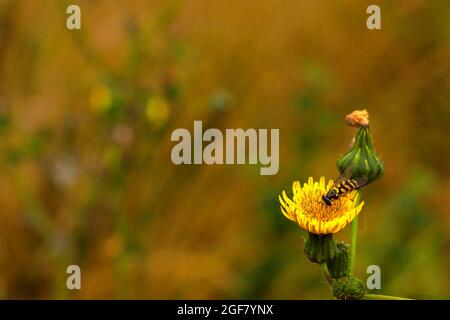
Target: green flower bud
[350,288]
[361,158]
[338,267]
[320,248]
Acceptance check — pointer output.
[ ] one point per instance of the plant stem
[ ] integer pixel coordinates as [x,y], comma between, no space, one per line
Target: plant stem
[382,297]
[326,273]
[353,245]
[351,265]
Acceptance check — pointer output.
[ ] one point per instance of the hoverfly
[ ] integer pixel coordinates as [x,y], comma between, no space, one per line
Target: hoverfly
[344,184]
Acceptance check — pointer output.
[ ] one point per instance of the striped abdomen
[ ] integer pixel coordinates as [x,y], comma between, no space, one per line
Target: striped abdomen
[342,188]
[346,186]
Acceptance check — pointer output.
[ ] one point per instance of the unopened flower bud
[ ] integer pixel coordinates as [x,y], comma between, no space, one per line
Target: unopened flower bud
[320,248]
[361,158]
[338,267]
[349,288]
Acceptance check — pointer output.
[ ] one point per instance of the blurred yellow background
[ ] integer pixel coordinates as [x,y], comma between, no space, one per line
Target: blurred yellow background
[85,123]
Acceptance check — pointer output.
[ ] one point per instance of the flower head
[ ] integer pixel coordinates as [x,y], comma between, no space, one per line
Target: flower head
[361,158]
[358,118]
[308,210]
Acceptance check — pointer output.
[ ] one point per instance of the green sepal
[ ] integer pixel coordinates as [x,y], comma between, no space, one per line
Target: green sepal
[320,248]
[338,267]
[362,158]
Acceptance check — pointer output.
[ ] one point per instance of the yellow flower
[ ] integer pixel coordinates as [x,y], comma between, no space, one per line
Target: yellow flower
[100,98]
[307,209]
[157,111]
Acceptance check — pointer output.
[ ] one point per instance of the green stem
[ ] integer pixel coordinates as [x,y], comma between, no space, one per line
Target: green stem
[353,245]
[351,265]
[382,297]
[326,273]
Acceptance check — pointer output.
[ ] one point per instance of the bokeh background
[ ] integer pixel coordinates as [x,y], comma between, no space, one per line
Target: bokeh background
[85,123]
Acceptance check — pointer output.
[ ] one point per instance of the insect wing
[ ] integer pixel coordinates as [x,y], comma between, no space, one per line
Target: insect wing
[360,182]
[345,175]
